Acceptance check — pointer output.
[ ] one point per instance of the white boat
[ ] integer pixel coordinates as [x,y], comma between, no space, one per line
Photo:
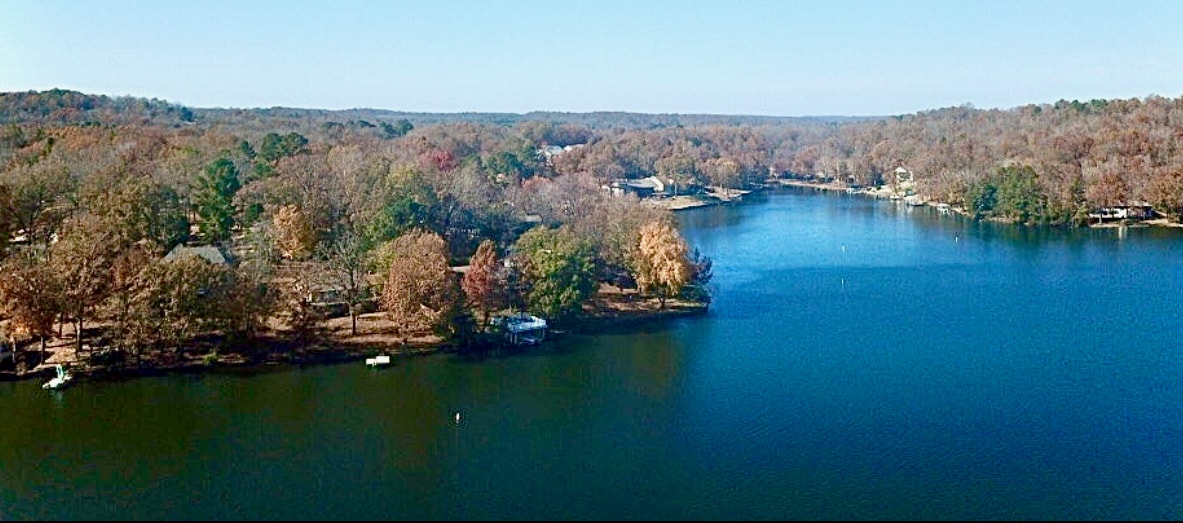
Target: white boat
[378,361]
[60,381]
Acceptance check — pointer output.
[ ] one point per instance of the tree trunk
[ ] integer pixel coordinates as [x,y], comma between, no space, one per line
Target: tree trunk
[353,318]
[42,358]
[78,335]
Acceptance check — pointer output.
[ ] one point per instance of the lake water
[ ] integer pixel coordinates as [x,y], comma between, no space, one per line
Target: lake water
[861,359]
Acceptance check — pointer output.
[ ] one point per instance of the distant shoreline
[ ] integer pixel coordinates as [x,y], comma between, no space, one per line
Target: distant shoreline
[881,194]
[713,196]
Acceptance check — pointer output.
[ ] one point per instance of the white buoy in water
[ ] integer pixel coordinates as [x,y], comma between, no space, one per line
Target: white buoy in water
[457,417]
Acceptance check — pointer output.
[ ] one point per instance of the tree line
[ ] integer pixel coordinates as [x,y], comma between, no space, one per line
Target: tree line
[95,190]
[91,218]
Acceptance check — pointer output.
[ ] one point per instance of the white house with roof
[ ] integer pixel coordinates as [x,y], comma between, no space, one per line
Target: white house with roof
[641,186]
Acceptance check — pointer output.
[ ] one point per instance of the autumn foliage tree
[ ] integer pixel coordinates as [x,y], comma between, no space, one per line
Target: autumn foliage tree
[295,237]
[29,297]
[174,301]
[83,260]
[662,263]
[420,292]
[1166,193]
[484,283]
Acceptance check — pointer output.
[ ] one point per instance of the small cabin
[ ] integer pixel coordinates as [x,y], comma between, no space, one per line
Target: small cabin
[643,187]
[521,328]
[1129,211]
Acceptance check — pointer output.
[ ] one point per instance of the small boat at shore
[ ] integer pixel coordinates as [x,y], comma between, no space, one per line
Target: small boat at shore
[61,381]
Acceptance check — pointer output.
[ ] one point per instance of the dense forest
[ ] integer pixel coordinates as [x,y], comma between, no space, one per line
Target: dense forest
[374,206]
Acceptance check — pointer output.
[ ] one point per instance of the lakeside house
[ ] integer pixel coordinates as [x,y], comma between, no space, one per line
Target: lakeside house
[549,152]
[902,175]
[642,187]
[1129,211]
[331,300]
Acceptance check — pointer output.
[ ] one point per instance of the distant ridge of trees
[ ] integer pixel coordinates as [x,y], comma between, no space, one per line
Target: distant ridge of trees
[1058,160]
[65,107]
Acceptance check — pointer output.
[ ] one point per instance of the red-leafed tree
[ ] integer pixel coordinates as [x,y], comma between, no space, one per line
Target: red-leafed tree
[484,282]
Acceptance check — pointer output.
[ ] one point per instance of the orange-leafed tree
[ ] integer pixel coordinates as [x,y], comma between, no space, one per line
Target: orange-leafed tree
[295,237]
[662,262]
[420,292]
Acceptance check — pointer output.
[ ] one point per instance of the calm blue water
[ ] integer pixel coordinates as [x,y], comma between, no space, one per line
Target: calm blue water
[861,360]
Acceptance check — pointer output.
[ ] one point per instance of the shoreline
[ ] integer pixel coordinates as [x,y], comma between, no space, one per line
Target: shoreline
[714,196]
[883,194]
[610,310]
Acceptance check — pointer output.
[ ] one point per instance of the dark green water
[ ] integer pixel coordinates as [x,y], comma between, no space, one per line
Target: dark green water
[861,360]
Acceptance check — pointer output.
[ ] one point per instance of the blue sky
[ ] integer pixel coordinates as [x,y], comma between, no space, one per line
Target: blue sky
[788,58]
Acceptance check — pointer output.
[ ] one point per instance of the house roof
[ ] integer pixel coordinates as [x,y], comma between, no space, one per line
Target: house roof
[209,253]
[651,183]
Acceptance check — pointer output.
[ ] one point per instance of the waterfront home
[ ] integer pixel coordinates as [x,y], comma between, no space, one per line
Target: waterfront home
[1128,211]
[332,302]
[902,175]
[521,328]
[642,187]
[549,152]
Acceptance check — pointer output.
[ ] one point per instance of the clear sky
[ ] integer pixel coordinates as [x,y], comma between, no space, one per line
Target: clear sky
[786,58]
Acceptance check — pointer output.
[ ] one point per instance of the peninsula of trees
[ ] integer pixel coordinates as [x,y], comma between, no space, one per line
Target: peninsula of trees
[147,235]
[100,197]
